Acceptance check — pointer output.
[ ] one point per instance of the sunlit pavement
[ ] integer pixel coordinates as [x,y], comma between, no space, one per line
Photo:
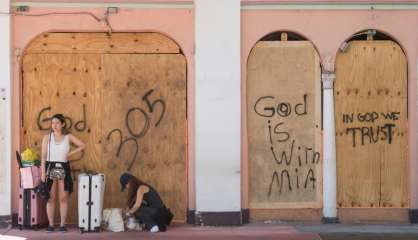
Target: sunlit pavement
[278,231]
[175,232]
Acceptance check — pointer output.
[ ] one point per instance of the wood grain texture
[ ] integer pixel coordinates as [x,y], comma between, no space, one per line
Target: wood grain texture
[286,214]
[96,91]
[161,160]
[371,85]
[102,43]
[64,83]
[350,215]
[284,117]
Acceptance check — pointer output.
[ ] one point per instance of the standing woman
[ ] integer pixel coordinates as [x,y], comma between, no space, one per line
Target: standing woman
[56,171]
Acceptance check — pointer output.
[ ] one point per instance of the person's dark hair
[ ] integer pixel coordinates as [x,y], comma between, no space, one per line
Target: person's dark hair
[61,118]
[134,184]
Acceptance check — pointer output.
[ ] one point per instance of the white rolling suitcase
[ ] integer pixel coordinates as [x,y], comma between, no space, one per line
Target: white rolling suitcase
[90,201]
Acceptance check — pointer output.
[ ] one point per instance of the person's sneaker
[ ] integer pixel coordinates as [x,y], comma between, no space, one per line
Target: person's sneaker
[63,229]
[49,229]
[154,229]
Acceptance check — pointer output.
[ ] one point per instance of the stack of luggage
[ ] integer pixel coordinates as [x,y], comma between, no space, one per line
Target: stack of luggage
[32,208]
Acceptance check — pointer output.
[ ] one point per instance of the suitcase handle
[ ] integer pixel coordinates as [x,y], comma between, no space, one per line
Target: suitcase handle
[19,159]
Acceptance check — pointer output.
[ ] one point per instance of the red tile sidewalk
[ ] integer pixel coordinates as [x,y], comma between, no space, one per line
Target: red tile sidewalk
[177,232]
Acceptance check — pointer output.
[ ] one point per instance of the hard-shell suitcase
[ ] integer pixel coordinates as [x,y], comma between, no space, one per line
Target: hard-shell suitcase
[32,209]
[90,201]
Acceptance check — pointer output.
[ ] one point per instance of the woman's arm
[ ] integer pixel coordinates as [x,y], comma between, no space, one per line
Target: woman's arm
[44,155]
[139,196]
[80,145]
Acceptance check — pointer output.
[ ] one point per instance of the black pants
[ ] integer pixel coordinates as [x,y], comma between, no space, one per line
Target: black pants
[147,216]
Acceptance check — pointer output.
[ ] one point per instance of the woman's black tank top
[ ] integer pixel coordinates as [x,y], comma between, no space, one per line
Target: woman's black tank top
[151,198]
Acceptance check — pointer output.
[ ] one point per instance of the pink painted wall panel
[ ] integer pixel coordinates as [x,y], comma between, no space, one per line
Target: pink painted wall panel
[327,30]
[109,1]
[329,1]
[178,24]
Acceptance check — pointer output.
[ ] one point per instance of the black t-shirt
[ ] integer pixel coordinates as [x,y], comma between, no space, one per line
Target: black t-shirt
[150,199]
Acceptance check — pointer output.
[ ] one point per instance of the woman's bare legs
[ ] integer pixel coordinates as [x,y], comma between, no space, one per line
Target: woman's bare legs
[50,206]
[63,197]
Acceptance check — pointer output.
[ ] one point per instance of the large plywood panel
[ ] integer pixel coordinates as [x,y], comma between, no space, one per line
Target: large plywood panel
[284,124]
[371,125]
[130,110]
[67,84]
[145,103]
[103,43]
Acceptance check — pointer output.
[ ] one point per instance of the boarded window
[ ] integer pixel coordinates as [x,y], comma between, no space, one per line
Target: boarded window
[371,125]
[124,96]
[284,125]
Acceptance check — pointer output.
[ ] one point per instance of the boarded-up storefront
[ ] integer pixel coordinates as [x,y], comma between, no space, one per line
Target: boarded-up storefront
[371,125]
[124,95]
[284,126]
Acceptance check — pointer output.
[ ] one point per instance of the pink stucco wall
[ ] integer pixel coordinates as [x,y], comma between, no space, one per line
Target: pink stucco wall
[327,29]
[326,2]
[178,24]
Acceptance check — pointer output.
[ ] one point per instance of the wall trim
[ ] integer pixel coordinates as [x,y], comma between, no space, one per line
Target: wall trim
[219,218]
[413,216]
[161,5]
[5,221]
[245,215]
[328,6]
[191,219]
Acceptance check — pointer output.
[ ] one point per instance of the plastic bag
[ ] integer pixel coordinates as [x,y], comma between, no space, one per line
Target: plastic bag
[132,224]
[113,220]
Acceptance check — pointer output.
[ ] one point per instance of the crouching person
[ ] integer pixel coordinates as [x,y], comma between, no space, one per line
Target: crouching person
[145,204]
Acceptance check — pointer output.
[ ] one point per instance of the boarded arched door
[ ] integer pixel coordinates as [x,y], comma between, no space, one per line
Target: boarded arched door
[284,125]
[125,96]
[371,125]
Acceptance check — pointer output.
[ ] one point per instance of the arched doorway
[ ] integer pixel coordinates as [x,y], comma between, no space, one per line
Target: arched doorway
[371,122]
[283,125]
[124,95]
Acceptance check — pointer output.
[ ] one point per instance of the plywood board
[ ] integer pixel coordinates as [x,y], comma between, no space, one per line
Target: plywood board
[102,43]
[371,125]
[67,84]
[158,128]
[286,214]
[284,125]
[96,92]
[393,215]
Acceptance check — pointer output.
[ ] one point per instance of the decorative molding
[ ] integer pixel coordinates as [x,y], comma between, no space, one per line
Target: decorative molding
[328,6]
[328,80]
[160,5]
